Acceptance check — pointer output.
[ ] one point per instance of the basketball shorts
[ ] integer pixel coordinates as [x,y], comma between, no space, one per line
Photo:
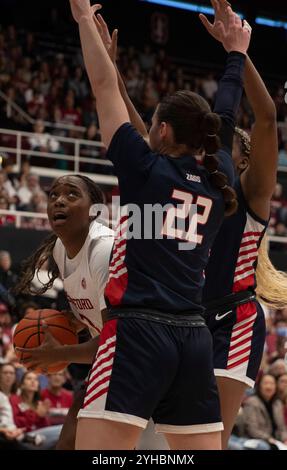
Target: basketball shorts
[238,341]
[147,369]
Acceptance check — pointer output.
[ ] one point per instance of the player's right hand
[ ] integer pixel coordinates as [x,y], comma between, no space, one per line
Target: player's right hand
[81,8]
[228,28]
[50,352]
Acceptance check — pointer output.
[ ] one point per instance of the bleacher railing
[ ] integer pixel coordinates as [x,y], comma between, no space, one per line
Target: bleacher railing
[16,145]
[31,120]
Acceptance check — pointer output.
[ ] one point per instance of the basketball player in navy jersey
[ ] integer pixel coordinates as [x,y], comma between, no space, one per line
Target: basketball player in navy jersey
[236,320]
[154,357]
[78,252]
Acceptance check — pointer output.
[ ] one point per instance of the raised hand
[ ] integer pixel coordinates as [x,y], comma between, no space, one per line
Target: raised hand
[43,408]
[110,42]
[227,27]
[82,8]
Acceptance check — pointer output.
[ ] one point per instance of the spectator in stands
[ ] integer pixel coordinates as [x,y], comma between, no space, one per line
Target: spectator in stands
[30,412]
[34,98]
[263,415]
[15,438]
[283,155]
[90,114]
[7,190]
[6,329]
[8,431]
[4,204]
[277,203]
[281,106]
[70,113]
[78,84]
[282,392]
[280,230]
[41,141]
[57,120]
[12,437]
[8,279]
[21,178]
[4,343]
[147,58]
[39,202]
[26,69]
[8,379]
[150,99]
[90,151]
[209,87]
[132,80]
[59,398]
[29,47]
[29,186]
[7,166]
[277,368]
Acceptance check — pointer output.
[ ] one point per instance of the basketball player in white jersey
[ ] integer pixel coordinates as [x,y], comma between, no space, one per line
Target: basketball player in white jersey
[78,252]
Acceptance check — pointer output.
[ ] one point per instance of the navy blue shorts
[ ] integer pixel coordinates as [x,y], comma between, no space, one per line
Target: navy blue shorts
[238,340]
[146,369]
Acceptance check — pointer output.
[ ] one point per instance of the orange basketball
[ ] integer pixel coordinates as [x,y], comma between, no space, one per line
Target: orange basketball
[29,333]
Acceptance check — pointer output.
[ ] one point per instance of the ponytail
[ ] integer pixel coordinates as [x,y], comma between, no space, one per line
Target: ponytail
[195,126]
[211,144]
[271,287]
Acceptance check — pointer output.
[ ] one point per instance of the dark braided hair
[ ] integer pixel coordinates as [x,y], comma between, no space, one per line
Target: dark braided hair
[198,130]
[45,252]
[244,141]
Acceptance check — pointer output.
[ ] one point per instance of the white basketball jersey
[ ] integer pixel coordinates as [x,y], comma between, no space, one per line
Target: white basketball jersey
[86,284]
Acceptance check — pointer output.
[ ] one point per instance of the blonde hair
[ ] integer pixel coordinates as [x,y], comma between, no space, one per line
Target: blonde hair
[271,287]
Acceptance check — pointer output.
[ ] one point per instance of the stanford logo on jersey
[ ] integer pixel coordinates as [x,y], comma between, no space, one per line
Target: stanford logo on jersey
[81,304]
[84,283]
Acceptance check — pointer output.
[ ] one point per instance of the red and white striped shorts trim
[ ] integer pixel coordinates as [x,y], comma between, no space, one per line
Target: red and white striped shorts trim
[101,371]
[240,345]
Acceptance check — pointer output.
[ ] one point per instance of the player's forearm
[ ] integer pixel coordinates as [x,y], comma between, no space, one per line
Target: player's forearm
[134,116]
[83,353]
[260,100]
[228,97]
[94,51]
[230,87]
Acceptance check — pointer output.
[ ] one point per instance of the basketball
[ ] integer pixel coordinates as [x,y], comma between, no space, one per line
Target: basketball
[29,333]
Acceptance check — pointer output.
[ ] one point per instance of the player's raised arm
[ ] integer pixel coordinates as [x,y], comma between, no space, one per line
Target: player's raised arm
[235,38]
[111,108]
[111,43]
[263,159]
[260,177]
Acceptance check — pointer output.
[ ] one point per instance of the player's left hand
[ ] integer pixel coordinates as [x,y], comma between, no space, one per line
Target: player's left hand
[110,42]
[220,23]
[45,355]
[82,8]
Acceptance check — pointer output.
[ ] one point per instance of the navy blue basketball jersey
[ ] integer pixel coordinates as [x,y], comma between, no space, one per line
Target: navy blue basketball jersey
[162,266]
[233,258]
